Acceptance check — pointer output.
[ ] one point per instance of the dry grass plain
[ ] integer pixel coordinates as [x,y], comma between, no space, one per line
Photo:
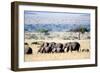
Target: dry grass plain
[85,44]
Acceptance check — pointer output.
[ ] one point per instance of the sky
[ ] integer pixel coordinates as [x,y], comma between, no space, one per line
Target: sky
[44,17]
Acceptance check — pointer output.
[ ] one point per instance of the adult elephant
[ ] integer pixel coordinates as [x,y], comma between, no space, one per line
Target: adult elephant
[58,48]
[72,46]
[47,47]
[44,48]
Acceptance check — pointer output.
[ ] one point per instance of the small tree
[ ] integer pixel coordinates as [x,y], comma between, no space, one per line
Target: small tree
[45,31]
[80,29]
[83,30]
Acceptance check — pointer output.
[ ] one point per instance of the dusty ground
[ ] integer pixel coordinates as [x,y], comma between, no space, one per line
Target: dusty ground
[85,44]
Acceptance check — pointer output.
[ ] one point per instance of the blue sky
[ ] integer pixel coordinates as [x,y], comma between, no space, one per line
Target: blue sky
[44,17]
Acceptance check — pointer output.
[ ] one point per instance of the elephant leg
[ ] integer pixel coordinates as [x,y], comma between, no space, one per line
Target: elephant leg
[71,48]
[78,47]
[67,49]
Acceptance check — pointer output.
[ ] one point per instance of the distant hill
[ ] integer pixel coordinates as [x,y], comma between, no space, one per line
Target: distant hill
[53,27]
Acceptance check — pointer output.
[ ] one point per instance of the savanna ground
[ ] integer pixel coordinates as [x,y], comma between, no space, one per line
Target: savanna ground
[85,44]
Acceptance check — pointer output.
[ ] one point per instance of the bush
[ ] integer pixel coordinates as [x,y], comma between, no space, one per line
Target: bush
[34,43]
[43,31]
[33,37]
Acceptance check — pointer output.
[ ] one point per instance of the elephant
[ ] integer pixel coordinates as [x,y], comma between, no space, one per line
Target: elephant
[72,46]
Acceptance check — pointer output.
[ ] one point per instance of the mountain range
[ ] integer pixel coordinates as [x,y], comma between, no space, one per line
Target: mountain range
[53,27]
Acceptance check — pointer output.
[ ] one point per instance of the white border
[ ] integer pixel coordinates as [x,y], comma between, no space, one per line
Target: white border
[23,64]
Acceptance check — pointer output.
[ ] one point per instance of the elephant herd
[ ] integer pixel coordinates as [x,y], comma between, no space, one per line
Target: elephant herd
[52,47]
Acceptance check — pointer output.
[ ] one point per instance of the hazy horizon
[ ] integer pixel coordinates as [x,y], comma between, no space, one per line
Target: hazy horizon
[55,21]
[44,17]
